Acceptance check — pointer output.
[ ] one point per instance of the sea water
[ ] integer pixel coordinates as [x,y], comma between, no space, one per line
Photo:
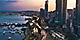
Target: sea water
[12,19]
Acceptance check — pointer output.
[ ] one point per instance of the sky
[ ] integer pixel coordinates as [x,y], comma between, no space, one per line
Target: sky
[23,5]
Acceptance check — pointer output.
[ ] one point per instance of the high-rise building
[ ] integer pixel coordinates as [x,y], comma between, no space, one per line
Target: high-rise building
[46,8]
[70,16]
[76,22]
[77,14]
[42,11]
[46,5]
[64,9]
[61,8]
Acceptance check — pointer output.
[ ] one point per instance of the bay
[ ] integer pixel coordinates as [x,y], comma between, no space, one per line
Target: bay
[12,19]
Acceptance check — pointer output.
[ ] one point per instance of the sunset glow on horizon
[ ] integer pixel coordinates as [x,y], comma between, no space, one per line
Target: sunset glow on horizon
[34,5]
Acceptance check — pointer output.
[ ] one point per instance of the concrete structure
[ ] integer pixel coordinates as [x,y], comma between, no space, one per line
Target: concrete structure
[70,16]
[46,8]
[46,5]
[76,22]
[42,12]
[61,8]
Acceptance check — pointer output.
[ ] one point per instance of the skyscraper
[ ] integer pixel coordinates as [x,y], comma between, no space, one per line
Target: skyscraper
[46,8]
[77,14]
[61,8]
[42,11]
[46,5]
[76,22]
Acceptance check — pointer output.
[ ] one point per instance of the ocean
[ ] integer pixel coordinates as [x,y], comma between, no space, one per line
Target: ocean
[12,19]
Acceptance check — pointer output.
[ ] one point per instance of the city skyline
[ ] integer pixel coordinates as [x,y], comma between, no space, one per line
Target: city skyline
[31,5]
